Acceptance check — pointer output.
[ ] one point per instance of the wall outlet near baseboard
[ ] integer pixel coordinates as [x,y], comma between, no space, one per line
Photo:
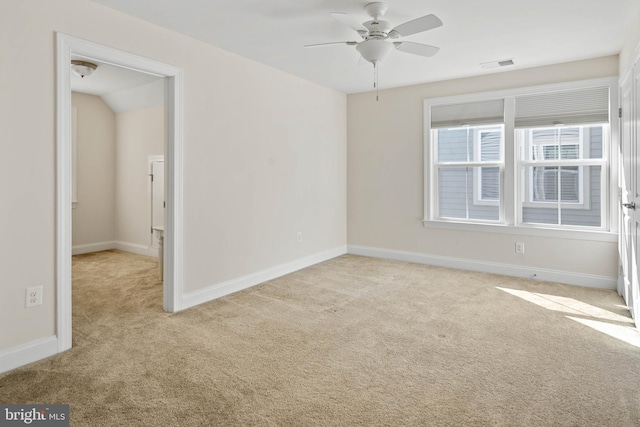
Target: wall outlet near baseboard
[519,247]
[33,296]
[299,236]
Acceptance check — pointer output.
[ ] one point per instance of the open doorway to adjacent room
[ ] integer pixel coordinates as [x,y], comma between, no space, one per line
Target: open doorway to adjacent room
[117,174]
[112,125]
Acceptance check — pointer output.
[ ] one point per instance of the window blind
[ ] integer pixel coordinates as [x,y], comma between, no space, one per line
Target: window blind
[467,114]
[581,106]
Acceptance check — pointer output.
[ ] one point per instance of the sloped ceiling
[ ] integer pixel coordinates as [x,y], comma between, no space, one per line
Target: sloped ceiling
[122,89]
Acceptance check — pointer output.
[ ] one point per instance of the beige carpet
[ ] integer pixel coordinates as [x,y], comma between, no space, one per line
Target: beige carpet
[352,341]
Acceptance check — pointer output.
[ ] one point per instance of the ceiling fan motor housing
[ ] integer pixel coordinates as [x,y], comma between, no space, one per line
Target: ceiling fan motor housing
[378,29]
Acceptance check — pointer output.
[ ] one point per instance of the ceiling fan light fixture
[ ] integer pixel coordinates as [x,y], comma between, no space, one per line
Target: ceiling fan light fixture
[83,68]
[374,50]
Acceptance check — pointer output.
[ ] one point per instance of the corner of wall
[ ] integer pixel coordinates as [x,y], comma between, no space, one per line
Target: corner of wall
[631,48]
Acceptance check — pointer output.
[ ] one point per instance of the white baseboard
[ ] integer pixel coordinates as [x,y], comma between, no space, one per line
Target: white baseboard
[234,285]
[92,247]
[115,244]
[136,248]
[566,277]
[28,353]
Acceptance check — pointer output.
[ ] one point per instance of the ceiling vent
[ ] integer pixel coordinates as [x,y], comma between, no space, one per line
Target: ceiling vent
[497,64]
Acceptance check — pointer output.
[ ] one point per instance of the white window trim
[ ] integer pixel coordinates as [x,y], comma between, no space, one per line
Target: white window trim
[509,212]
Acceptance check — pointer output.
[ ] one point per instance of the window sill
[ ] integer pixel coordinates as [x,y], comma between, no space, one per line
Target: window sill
[592,235]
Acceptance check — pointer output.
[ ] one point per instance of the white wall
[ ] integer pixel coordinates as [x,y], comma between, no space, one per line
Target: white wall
[113,152]
[139,134]
[385,176]
[631,44]
[94,215]
[264,156]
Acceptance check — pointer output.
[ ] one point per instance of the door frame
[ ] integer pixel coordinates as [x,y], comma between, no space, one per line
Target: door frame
[66,46]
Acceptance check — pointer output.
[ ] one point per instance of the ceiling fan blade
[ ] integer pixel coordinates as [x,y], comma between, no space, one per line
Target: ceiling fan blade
[417,48]
[350,22]
[427,22]
[325,44]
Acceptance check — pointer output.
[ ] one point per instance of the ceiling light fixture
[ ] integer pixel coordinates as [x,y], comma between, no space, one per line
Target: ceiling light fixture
[82,68]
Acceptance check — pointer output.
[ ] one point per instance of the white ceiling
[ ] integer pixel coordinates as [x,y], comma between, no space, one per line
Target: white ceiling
[108,79]
[121,88]
[274,32]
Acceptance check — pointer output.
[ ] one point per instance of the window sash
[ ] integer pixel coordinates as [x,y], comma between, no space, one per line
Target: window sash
[533,183]
[475,165]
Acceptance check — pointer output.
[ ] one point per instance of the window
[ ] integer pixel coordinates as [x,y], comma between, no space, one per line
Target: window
[530,157]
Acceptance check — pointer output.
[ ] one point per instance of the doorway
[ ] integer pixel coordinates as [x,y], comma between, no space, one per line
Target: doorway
[172,286]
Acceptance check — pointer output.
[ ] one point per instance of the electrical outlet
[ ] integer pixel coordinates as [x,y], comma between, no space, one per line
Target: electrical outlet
[519,247]
[299,236]
[34,296]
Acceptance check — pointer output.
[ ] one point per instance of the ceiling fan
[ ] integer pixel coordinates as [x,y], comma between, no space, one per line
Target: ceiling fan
[379,38]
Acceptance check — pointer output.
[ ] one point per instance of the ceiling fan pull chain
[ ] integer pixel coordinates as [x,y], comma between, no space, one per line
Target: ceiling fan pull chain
[374,75]
[375,78]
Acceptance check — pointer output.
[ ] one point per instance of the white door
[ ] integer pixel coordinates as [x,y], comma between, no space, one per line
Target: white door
[634,211]
[157,196]
[630,191]
[627,182]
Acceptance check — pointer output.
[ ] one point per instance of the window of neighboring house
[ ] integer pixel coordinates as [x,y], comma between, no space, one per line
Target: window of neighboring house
[535,157]
[552,183]
[489,141]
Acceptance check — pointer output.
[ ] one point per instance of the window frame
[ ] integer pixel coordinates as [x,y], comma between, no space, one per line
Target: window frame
[510,213]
